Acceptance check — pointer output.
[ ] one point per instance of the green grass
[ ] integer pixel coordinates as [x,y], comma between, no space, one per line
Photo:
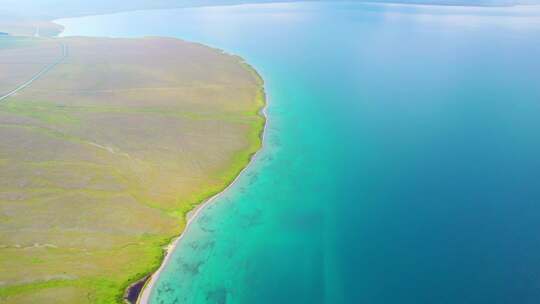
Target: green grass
[45,112]
[103,289]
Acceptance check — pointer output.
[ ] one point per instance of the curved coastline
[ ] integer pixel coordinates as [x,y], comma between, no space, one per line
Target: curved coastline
[150,280]
[139,291]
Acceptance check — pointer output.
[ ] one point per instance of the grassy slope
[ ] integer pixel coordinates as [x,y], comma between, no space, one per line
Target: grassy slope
[105,155]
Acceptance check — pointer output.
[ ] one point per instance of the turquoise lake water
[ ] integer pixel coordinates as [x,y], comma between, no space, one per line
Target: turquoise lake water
[401,160]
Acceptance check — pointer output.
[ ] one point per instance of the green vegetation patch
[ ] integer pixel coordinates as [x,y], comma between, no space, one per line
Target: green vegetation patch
[45,112]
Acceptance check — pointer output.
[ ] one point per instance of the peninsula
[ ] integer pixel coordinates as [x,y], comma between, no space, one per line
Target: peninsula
[106,148]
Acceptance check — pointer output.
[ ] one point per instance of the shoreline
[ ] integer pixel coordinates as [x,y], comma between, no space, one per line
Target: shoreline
[142,295]
[139,291]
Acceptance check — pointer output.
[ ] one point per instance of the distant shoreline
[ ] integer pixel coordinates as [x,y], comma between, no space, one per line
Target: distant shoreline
[112,10]
[139,292]
[50,20]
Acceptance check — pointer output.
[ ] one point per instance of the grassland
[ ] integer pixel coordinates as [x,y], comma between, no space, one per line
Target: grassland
[102,157]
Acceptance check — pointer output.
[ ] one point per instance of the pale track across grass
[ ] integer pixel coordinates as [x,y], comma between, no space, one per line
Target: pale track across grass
[39,74]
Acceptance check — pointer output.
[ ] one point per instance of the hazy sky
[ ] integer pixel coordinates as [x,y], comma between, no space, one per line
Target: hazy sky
[64,8]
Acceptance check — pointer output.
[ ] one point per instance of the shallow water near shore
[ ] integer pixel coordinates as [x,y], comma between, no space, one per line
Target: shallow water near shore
[401,160]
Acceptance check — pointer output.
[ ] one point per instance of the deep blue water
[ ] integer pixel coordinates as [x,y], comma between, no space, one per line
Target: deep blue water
[401,160]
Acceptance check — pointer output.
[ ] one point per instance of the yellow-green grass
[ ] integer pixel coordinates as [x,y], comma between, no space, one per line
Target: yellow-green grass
[102,158]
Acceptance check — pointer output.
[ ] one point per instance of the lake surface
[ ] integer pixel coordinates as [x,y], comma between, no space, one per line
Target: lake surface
[401,160]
